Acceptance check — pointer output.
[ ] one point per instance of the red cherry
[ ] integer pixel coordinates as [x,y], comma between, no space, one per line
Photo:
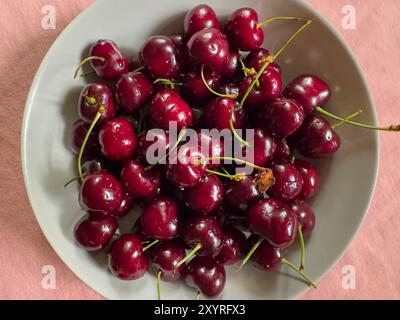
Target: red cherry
[211,146]
[200,17]
[126,206]
[266,257]
[288,182]
[263,147]
[305,217]
[79,131]
[148,138]
[233,247]
[310,177]
[240,194]
[256,59]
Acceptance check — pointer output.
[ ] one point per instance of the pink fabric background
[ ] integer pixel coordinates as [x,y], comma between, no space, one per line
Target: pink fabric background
[375,251]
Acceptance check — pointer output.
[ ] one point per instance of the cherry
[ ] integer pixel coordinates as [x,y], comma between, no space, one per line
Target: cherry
[101,192]
[283,151]
[200,17]
[209,47]
[233,247]
[256,59]
[305,217]
[159,219]
[206,196]
[207,275]
[94,232]
[168,106]
[316,138]
[160,57]
[282,117]
[193,86]
[232,66]
[126,206]
[93,96]
[310,178]
[274,221]
[263,147]
[107,60]
[118,139]
[79,131]
[309,91]
[288,182]
[211,146]
[241,194]
[150,137]
[266,257]
[180,46]
[138,181]
[132,91]
[126,259]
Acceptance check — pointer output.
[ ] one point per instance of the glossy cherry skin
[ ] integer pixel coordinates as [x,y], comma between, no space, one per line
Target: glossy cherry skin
[126,259]
[118,139]
[115,64]
[309,91]
[232,66]
[165,258]
[211,146]
[257,58]
[91,98]
[282,117]
[269,88]
[132,91]
[94,232]
[159,219]
[205,196]
[159,137]
[263,147]
[193,86]
[266,257]
[207,275]
[126,206]
[204,230]
[168,106]
[274,221]
[180,46]
[209,47]
[100,192]
[233,247]
[288,182]
[283,150]
[305,217]
[137,181]
[219,112]
[316,138]
[79,131]
[184,170]
[241,194]
[200,17]
[310,177]
[242,31]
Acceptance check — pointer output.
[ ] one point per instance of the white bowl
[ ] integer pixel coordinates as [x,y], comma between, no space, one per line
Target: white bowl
[348,178]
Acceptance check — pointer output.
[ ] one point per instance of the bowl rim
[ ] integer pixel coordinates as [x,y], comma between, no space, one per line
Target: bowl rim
[81,15]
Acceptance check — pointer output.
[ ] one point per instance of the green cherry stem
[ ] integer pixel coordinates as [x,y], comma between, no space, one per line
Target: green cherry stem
[86,61]
[303,248]
[353,115]
[203,78]
[189,255]
[150,245]
[235,134]
[234,177]
[233,159]
[167,82]
[138,69]
[247,71]
[159,285]
[263,23]
[198,293]
[248,256]
[73,180]
[302,274]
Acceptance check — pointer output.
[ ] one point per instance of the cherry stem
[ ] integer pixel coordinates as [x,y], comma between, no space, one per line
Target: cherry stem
[231,96]
[263,23]
[353,115]
[235,134]
[247,71]
[73,180]
[138,69]
[248,256]
[189,255]
[198,293]
[303,248]
[168,82]
[159,285]
[86,61]
[150,245]
[271,59]
[302,274]
[233,159]
[84,74]
[85,140]
[235,177]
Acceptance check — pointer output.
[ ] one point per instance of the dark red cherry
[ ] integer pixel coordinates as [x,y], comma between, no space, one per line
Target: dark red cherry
[257,58]
[115,64]
[305,217]
[219,112]
[205,196]
[118,139]
[263,147]
[233,247]
[160,57]
[180,46]
[200,17]
[94,232]
[184,169]
[209,47]
[132,91]
[79,131]
[204,231]
[269,87]
[310,177]
[308,90]
[138,181]
[126,206]
[166,256]
[288,182]
[282,117]
[266,257]
[283,151]
[241,194]
[242,30]
[232,66]
[126,259]
[316,138]
[168,106]
[193,86]
[156,139]
[101,192]
[91,98]
[211,146]
[274,221]
[91,165]
[207,275]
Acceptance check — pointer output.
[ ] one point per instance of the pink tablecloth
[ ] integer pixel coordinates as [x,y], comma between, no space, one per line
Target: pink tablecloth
[374,253]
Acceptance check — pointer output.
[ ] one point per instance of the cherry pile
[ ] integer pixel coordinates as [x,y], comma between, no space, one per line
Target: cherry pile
[198,216]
